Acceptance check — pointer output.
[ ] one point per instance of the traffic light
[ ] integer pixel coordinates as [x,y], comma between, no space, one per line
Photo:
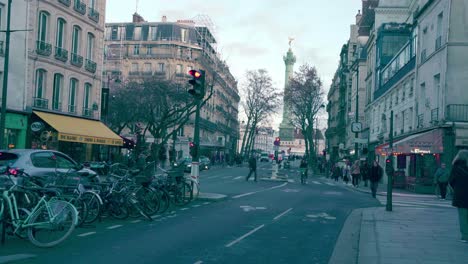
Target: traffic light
[193,149]
[389,166]
[277,141]
[198,83]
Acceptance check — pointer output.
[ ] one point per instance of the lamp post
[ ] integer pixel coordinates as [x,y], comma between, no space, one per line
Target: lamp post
[5,77]
[356,114]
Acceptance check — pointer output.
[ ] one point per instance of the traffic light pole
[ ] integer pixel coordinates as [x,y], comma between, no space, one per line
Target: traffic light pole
[5,79]
[195,171]
[390,172]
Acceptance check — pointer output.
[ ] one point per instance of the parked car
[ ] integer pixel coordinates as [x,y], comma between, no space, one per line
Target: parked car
[264,157]
[45,166]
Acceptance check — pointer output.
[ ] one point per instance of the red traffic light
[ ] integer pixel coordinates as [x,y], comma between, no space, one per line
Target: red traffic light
[387,160]
[191,144]
[277,139]
[196,74]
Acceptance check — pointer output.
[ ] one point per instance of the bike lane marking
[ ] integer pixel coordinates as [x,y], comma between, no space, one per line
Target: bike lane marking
[238,177]
[136,221]
[16,257]
[198,262]
[244,236]
[283,213]
[86,234]
[183,209]
[250,193]
[114,226]
[206,203]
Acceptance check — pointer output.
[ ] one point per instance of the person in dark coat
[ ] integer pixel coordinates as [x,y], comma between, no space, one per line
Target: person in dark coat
[253,167]
[364,172]
[459,182]
[441,178]
[375,174]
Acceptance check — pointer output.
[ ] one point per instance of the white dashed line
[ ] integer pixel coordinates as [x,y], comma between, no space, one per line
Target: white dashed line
[198,262]
[283,213]
[316,182]
[196,205]
[250,193]
[244,236]
[238,177]
[155,216]
[183,209]
[114,226]
[86,234]
[135,221]
[205,203]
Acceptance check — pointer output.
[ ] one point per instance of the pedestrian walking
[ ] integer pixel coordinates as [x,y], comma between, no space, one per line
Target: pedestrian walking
[355,173]
[252,167]
[441,178]
[459,182]
[375,174]
[346,173]
[337,172]
[364,172]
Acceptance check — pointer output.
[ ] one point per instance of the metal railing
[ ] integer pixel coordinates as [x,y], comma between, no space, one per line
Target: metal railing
[88,112]
[72,108]
[90,66]
[61,54]
[435,114]
[57,106]
[76,60]
[457,112]
[420,120]
[93,14]
[41,103]
[43,48]
[79,7]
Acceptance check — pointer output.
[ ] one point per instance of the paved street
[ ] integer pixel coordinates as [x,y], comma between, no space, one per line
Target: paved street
[258,222]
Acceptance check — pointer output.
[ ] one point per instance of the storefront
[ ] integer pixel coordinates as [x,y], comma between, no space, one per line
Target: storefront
[80,138]
[15,130]
[417,157]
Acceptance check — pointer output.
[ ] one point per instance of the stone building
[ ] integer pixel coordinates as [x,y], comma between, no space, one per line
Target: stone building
[140,49]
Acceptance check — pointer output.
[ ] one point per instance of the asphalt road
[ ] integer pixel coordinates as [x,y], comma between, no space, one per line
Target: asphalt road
[259,222]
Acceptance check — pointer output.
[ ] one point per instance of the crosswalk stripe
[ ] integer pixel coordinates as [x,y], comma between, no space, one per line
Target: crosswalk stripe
[331,184]
[316,182]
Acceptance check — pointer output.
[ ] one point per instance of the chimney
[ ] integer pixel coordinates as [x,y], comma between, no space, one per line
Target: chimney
[358,17]
[137,18]
[164,19]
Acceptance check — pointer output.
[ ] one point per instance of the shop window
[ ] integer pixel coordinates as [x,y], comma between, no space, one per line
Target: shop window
[401,162]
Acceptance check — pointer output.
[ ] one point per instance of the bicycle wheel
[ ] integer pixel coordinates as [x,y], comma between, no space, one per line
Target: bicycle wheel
[93,204]
[135,208]
[164,201]
[117,207]
[149,200]
[182,194]
[49,230]
[82,209]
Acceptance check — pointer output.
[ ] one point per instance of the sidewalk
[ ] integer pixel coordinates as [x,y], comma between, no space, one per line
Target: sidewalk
[406,235]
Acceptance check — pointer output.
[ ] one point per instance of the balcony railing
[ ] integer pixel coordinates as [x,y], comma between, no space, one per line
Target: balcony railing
[420,121]
[79,7]
[61,54]
[457,112]
[76,60]
[65,2]
[134,73]
[57,106]
[438,43]
[43,48]
[93,14]
[72,109]
[2,52]
[41,103]
[88,112]
[435,114]
[90,66]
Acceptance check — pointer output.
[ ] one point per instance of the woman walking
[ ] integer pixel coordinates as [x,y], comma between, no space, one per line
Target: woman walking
[355,173]
[459,182]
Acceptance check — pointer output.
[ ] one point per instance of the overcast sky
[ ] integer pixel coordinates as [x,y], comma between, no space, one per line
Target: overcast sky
[253,34]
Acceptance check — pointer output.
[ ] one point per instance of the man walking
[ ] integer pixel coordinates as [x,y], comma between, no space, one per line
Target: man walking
[441,178]
[355,173]
[253,167]
[364,172]
[375,174]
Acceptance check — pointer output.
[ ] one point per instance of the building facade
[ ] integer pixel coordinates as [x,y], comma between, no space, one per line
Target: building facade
[140,49]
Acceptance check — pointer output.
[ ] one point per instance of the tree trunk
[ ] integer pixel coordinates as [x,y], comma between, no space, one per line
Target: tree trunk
[242,150]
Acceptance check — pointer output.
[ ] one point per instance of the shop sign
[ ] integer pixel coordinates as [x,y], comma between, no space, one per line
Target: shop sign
[90,140]
[37,126]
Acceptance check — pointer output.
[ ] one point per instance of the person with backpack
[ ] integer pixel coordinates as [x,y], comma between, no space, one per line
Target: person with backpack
[375,174]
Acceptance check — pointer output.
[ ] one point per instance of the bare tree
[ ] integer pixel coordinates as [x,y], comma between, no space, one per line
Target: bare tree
[261,101]
[122,108]
[305,96]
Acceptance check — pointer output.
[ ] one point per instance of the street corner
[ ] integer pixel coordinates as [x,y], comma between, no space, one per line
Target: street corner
[211,197]
[346,248]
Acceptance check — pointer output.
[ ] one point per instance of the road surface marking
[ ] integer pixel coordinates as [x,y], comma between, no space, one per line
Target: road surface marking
[244,236]
[321,215]
[248,208]
[238,177]
[155,216]
[114,226]
[196,205]
[10,258]
[183,209]
[135,221]
[171,216]
[205,203]
[331,184]
[86,234]
[250,193]
[198,262]
[316,182]
[283,213]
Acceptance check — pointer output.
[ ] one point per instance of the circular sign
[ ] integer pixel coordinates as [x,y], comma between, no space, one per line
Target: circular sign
[37,126]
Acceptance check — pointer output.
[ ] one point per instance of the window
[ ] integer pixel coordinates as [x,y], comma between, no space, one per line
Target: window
[144,32]
[136,50]
[160,67]
[396,97]
[90,47]
[43,26]
[148,49]
[92,4]
[76,40]
[179,52]
[57,92]
[437,88]
[183,34]
[64,162]
[134,67]
[40,83]
[439,24]
[60,34]
[147,67]
[43,160]
[1,14]
[87,95]
[72,95]
[179,69]
[115,33]
[129,32]
[137,35]
[154,32]
[411,88]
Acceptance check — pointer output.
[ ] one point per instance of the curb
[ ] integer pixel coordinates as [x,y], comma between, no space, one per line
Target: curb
[211,197]
[346,250]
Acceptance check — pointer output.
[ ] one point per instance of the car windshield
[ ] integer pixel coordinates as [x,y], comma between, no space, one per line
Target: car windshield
[7,159]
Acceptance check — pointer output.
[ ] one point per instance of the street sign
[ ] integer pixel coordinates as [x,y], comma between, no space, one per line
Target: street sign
[356,127]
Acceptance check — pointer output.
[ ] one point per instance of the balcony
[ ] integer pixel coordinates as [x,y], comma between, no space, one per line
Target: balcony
[2,52]
[421,121]
[134,73]
[57,106]
[93,14]
[87,112]
[40,103]
[61,54]
[65,2]
[79,7]
[76,60]
[90,66]
[457,112]
[72,109]
[438,43]
[43,48]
